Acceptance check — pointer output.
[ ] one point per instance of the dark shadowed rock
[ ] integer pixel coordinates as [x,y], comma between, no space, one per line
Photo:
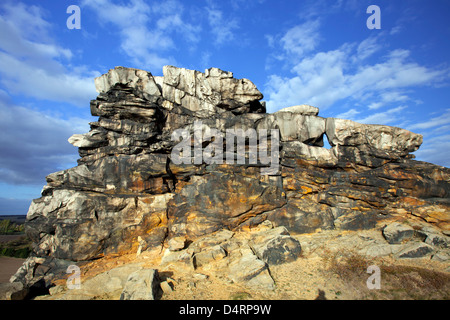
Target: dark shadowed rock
[275,246]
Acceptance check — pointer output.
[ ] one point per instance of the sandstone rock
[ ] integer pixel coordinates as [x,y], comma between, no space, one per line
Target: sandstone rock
[134,78]
[209,92]
[318,155]
[105,285]
[141,285]
[208,203]
[178,259]
[177,243]
[438,240]
[379,250]
[275,246]
[93,139]
[128,195]
[398,233]
[295,127]
[220,237]
[302,216]
[248,269]
[441,256]
[207,256]
[376,140]
[415,250]
[301,109]
[13,291]
[165,287]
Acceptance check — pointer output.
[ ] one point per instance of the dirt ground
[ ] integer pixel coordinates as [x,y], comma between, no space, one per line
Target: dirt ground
[323,271]
[314,279]
[8,267]
[332,266]
[9,237]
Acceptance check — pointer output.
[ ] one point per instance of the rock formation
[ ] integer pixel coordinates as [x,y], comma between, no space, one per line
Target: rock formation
[127,193]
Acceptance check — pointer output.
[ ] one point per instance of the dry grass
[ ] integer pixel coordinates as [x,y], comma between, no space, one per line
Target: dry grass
[398,282]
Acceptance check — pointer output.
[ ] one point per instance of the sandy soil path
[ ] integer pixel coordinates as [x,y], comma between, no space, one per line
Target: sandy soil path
[9,266]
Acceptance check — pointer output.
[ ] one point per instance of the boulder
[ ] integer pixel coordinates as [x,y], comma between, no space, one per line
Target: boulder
[246,268]
[275,246]
[301,109]
[141,285]
[415,250]
[209,92]
[177,243]
[398,233]
[209,255]
[13,291]
[140,80]
[295,127]
[105,285]
[375,140]
[438,240]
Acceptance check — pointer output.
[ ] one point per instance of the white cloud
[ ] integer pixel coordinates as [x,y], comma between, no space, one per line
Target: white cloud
[34,144]
[386,117]
[221,28]
[388,97]
[324,78]
[34,68]
[367,48]
[433,123]
[146,31]
[350,114]
[301,39]
[21,77]
[435,149]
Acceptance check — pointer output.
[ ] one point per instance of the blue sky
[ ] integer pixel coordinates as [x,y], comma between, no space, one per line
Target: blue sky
[296,52]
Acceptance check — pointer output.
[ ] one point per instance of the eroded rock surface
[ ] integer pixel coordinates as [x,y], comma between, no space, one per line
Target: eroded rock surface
[128,193]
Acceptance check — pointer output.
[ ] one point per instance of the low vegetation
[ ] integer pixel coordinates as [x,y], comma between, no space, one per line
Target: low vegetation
[19,248]
[398,281]
[8,227]
[13,241]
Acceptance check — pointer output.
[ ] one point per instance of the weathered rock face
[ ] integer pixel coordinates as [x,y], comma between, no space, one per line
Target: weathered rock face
[129,193]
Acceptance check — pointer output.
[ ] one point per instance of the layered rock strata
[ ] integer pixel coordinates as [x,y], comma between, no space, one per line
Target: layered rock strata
[128,193]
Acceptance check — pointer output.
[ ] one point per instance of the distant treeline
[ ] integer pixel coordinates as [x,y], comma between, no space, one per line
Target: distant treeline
[18,219]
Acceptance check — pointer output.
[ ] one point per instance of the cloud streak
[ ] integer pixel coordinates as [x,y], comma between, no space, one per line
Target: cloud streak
[34,144]
[146,31]
[34,68]
[326,77]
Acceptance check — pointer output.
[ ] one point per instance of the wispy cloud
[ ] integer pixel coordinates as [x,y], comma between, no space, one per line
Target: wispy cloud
[324,78]
[390,116]
[222,28]
[35,67]
[146,32]
[436,133]
[34,144]
[435,122]
[301,39]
